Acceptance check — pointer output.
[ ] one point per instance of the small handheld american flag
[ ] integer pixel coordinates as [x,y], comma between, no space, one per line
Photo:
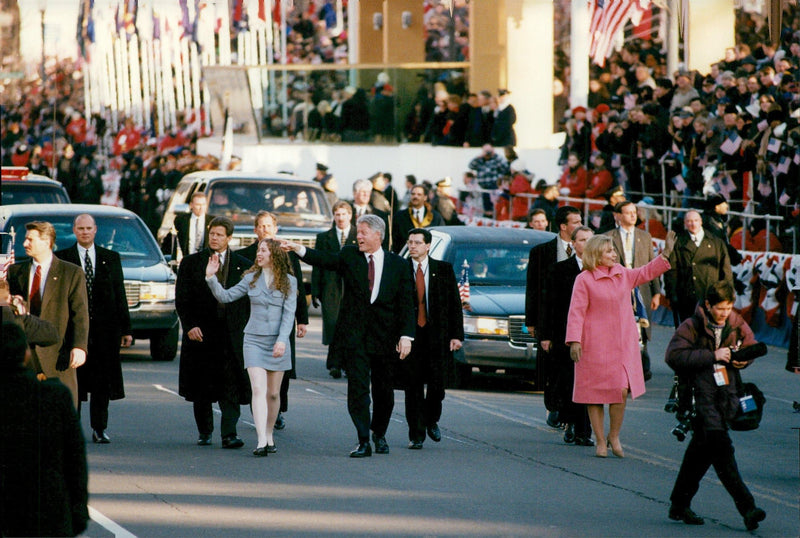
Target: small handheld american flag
[9,257]
[463,284]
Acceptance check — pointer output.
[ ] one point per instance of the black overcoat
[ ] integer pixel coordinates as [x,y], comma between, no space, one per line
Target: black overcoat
[214,367]
[326,285]
[109,320]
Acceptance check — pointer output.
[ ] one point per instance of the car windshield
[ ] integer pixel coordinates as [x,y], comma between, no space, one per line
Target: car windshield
[492,265]
[123,234]
[20,192]
[294,205]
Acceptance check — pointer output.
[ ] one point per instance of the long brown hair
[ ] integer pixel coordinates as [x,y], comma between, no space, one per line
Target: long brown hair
[281,268]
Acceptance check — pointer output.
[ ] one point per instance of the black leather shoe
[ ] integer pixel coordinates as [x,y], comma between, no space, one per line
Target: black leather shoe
[204,439]
[752,518]
[434,433]
[272,449]
[232,442]
[648,375]
[415,445]
[552,420]
[569,434]
[261,452]
[335,373]
[583,441]
[381,446]
[686,515]
[279,422]
[100,437]
[363,450]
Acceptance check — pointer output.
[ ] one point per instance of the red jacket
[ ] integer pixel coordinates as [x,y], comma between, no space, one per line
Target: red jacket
[576,183]
[520,204]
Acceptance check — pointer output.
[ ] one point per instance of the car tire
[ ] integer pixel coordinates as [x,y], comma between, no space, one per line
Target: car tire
[164,344]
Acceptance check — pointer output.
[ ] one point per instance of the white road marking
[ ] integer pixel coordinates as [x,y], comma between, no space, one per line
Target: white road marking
[109,525]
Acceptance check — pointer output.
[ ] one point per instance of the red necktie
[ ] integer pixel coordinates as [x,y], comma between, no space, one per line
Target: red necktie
[35,297]
[422,317]
[371,275]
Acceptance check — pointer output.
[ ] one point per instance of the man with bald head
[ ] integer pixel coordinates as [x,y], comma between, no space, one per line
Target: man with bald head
[699,260]
[109,323]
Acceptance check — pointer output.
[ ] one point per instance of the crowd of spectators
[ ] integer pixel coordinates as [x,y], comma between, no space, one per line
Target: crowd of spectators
[679,138]
[45,128]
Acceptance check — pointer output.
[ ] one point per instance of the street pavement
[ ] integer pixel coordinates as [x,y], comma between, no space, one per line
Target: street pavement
[498,471]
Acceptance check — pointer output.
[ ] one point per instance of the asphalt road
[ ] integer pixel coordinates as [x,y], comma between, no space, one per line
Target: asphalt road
[499,470]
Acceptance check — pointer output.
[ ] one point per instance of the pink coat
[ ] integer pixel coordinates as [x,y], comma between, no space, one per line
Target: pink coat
[601,319]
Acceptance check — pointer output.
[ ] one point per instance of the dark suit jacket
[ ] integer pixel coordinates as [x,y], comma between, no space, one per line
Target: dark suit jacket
[214,367]
[37,331]
[642,255]
[42,458]
[556,300]
[326,285]
[445,319]
[181,224]
[64,304]
[375,327]
[541,258]
[694,269]
[109,321]
[404,223]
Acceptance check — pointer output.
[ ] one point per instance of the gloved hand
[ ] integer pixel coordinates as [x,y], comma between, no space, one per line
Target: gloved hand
[669,244]
[315,301]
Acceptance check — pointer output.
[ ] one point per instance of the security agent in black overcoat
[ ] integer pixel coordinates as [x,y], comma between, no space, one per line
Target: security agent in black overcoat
[109,321]
[212,370]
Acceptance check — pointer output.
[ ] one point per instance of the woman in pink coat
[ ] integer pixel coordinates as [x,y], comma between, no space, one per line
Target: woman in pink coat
[604,337]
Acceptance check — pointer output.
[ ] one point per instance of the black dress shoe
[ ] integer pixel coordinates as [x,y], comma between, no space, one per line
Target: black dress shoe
[686,515]
[100,437]
[336,373]
[272,449]
[280,423]
[569,434]
[415,445]
[363,450]
[552,420]
[752,518]
[583,441]
[204,439]
[648,375]
[434,433]
[381,446]
[232,441]
[261,452]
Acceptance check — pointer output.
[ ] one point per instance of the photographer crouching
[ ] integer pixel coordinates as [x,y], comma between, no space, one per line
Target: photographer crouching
[706,352]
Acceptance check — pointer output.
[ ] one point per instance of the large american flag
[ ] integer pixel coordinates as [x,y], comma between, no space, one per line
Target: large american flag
[607,18]
[463,283]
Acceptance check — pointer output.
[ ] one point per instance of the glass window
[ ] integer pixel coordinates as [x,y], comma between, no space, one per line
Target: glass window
[125,235]
[293,205]
[27,193]
[501,265]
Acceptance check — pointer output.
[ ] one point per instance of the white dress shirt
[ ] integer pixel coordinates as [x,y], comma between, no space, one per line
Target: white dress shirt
[45,270]
[424,264]
[92,256]
[377,260]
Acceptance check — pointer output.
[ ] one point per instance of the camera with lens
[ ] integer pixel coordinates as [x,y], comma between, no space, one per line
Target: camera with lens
[681,402]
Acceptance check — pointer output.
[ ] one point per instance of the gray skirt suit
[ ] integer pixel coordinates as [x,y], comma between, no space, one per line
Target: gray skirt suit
[271,319]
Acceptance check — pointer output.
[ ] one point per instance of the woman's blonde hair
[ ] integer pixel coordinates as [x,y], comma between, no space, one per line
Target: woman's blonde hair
[593,251]
[281,268]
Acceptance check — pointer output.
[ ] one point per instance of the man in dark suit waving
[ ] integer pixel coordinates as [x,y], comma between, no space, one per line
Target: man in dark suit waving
[439,332]
[376,324]
[109,323]
[56,292]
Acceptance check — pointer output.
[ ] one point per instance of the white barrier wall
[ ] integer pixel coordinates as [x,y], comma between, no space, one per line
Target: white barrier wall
[349,162]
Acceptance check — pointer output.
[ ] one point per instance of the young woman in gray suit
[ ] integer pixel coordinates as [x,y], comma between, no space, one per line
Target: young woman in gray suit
[271,289]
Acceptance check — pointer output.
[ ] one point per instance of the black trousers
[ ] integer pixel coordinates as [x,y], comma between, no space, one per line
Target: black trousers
[365,367]
[423,408]
[98,410]
[563,381]
[707,448]
[204,417]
